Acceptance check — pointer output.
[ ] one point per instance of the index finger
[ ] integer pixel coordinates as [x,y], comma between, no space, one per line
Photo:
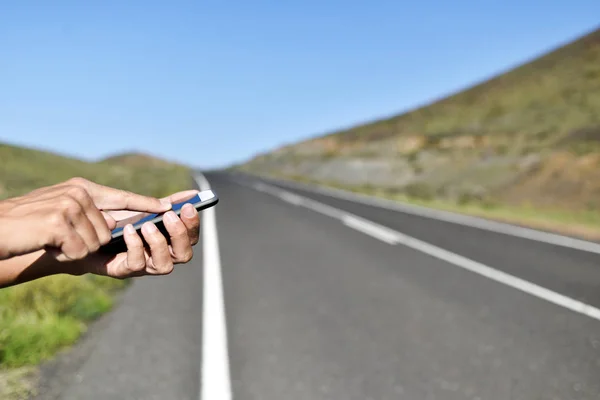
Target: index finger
[181,196]
[107,198]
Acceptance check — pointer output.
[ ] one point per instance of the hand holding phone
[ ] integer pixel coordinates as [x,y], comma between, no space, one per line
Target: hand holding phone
[200,201]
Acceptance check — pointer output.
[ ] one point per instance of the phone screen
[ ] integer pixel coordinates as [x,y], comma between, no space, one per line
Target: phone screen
[140,218]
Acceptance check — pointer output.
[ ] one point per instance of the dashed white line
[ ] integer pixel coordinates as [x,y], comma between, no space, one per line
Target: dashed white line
[297,200]
[447,216]
[215,380]
[370,228]
[394,237]
[291,198]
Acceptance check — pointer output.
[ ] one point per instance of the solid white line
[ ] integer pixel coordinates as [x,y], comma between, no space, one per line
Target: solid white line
[371,229]
[447,216]
[202,182]
[215,381]
[389,235]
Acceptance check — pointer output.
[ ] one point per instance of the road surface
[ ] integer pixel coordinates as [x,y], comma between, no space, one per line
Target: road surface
[326,298]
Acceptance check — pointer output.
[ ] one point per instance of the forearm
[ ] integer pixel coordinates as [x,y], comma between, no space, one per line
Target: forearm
[28,267]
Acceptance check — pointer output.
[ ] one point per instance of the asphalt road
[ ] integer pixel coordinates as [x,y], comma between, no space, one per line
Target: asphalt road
[315,309]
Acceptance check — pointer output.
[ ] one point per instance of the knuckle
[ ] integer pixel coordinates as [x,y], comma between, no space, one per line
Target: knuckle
[78,192]
[161,267]
[57,221]
[80,252]
[187,255]
[167,269]
[69,204]
[78,181]
[94,246]
[136,266]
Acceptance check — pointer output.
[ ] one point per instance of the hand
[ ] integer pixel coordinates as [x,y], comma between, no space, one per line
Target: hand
[66,218]
[160,257]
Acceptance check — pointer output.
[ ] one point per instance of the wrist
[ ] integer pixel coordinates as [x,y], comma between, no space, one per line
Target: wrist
[74,268]
[28,267]
[53,266]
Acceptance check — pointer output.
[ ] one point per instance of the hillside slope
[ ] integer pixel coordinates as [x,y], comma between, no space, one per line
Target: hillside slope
[23,169]
[528,137]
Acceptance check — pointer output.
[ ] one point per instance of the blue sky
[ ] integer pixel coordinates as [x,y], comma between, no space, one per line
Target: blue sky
[210,84]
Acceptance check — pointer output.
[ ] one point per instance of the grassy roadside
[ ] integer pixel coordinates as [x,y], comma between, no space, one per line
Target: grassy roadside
[581,223]
[39,318]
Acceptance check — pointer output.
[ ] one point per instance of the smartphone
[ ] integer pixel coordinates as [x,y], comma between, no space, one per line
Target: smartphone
[200,201]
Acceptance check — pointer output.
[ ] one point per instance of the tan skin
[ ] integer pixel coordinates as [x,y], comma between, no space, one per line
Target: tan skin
[58,229]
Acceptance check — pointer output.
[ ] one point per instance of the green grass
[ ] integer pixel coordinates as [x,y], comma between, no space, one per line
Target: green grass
[41,317]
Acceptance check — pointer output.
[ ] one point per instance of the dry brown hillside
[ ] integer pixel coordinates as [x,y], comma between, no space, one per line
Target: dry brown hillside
[529,136]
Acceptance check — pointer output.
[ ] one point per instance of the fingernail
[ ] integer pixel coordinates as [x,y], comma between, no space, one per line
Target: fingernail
[171,216]
[165,203]
[151,228]
[129,229]
[189,211]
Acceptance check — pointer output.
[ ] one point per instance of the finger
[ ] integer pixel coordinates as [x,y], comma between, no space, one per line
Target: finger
[103,223]
[181,196]
[114,266]
[79,220]
[73,246]
[136,257]
[181,248]
[94,215]
[107,198]
[110,221]
[160,261]
[191,220]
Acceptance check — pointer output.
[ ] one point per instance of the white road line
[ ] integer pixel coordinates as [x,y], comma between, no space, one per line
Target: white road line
[394,237]
[501,277]
[296,200]
[215,380]
[447,216]
[367,227]
[323,208]
[291,198]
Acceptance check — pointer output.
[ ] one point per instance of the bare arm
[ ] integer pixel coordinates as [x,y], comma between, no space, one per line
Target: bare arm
[28,225]
[28,267]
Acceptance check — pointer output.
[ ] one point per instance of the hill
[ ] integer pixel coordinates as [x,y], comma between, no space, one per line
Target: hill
[135,159]
[24,169]
[526,138]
